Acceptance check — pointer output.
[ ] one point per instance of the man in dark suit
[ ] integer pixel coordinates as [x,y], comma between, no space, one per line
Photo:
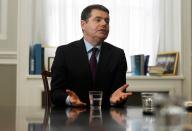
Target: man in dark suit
[89,64]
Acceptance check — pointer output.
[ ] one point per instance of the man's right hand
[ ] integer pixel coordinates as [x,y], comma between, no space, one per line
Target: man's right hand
[74,99]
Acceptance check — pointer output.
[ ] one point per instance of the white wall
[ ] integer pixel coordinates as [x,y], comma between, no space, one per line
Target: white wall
[10,43]
[8,48]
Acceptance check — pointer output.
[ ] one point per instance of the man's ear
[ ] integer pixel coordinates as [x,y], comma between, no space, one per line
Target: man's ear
[83,23]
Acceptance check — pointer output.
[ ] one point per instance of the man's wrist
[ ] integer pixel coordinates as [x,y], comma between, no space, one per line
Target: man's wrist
[111,103]
[67,101]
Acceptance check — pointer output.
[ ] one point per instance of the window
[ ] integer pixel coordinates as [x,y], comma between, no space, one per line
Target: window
[134,24]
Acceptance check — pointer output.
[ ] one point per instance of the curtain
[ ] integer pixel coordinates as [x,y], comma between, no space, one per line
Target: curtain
[170,27]
[134,24]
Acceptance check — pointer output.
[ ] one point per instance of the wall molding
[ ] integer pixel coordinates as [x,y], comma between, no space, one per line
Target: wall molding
[186,54]
[8,58]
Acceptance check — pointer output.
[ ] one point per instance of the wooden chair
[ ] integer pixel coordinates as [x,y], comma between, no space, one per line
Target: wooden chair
[47,99]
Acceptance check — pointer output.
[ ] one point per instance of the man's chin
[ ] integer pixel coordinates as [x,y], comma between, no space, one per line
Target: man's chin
[102,38]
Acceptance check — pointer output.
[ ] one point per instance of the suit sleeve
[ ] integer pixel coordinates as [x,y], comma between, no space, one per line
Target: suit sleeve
[59,76]
[120,76]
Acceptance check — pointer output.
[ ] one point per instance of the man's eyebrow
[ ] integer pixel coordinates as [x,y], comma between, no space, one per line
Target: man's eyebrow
[98,17]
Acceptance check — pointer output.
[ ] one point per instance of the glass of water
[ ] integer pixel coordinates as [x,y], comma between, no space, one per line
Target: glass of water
[147,102]
[95,98]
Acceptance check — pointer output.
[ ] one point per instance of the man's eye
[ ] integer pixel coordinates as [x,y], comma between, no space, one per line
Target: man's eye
[98,20]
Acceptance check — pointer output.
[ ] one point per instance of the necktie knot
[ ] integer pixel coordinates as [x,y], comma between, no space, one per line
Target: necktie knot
[94,51]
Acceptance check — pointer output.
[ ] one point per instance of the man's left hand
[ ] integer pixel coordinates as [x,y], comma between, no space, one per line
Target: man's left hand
[119,96]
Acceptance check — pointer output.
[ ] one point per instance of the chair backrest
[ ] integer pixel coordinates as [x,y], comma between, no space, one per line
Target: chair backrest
[45,75]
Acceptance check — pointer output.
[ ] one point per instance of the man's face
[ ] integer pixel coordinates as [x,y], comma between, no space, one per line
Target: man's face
[96,28]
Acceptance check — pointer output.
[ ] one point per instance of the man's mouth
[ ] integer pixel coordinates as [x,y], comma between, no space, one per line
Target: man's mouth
[103,31]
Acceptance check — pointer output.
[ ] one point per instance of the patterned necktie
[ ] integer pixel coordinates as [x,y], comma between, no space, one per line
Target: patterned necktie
[93,62]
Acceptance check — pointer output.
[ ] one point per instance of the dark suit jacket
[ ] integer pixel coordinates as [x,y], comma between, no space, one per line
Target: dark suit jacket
[71,70]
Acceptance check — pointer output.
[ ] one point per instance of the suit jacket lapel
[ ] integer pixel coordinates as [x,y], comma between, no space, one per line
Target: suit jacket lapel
[84,58]
[103,59]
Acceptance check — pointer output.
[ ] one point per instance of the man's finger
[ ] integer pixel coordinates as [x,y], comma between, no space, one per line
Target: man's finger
[83,104]
[129,93]
[70,93]
[80,104]
[122,88]
[124,97]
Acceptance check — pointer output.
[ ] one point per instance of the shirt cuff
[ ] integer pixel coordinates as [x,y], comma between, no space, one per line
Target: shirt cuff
[67,101]
[111,103]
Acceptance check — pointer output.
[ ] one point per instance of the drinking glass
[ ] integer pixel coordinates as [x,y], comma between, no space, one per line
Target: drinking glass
[147,102]
[95,98]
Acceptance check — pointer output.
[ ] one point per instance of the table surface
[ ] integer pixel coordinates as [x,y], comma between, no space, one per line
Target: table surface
[82,119]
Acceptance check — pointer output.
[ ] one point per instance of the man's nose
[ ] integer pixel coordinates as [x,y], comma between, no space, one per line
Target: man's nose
[104,22]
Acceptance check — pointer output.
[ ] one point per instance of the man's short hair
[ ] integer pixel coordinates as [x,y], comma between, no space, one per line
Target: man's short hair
[87,11]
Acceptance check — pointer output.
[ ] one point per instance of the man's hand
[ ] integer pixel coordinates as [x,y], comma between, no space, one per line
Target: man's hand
[73,114]
[119,96]
[118,116]
[74,99]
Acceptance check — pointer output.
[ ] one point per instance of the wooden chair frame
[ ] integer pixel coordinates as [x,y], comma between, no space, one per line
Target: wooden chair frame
[45,75]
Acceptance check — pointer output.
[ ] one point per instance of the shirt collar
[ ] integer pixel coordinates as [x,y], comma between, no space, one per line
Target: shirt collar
[89,46]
